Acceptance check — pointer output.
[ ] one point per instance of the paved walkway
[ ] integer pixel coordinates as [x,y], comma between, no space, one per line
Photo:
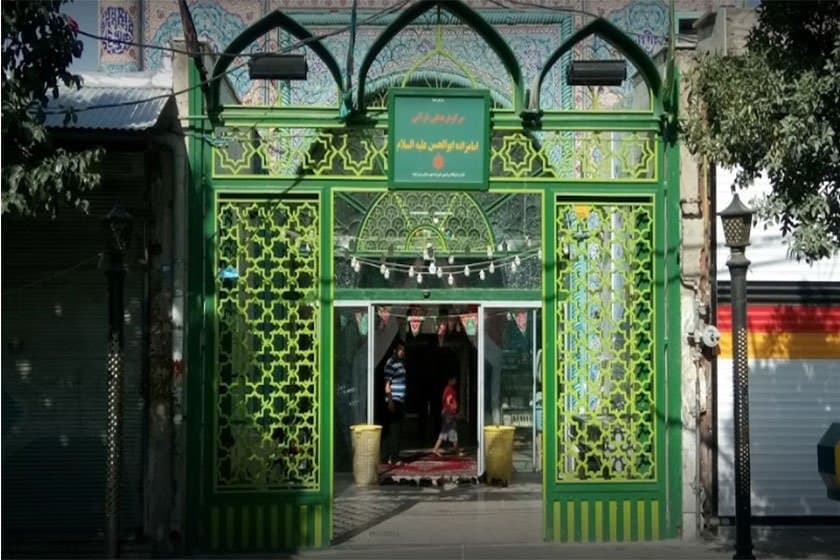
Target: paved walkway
[407,522]
[367,515]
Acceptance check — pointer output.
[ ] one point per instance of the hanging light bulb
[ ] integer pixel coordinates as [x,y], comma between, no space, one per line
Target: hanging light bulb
[411,271]
[539,254]
[387,273]
[492,268]
[382,269]
[451,259]
[489,252]
[481,274]
[500,247]
[358,267]
[432,268]
[353,262]
[513,267]
[419,278]
[528,240]
[467,270]
[451,280]
[440,272]
[516,260]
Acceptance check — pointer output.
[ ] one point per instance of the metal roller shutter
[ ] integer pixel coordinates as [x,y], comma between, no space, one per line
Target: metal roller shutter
[54,323]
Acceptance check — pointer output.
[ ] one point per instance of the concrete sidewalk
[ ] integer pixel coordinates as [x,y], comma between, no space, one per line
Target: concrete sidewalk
[408,522]
[495,529]
[479,522]
[811,543]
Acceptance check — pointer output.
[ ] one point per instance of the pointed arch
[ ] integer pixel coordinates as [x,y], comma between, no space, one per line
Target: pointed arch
[616,37]
[469,17]
[274,20]
[383,83]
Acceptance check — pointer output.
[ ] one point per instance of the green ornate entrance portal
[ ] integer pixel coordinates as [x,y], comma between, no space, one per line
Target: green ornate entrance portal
[295,233]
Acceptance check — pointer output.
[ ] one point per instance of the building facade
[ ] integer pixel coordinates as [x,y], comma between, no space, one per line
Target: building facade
[565,274]
[315,248]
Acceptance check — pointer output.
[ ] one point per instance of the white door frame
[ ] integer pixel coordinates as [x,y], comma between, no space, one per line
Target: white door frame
[530,305]
[482,304]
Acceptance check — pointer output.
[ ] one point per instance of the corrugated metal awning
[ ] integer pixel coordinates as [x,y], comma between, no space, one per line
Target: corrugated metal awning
[109,108]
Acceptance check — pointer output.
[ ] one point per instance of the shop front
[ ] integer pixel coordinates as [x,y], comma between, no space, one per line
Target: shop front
[530,253]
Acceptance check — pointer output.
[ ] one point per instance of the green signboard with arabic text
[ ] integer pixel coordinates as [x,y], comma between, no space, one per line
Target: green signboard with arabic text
[438,138]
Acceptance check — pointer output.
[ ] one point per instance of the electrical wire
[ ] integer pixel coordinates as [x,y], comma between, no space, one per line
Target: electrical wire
[54,275]
[297,45]
[289,48]
[145,99]
[292,47]
[104,39]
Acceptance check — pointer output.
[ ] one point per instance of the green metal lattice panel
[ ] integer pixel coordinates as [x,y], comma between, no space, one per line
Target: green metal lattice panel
[362,153]
[605,358]
[266,411]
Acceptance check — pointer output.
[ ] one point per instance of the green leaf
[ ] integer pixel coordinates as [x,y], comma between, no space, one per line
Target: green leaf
[38,46]
[776,109]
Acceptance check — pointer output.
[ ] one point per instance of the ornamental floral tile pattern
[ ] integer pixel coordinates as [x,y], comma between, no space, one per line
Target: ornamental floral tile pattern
[219,21]
[464,60]
[646,21]
[320,88]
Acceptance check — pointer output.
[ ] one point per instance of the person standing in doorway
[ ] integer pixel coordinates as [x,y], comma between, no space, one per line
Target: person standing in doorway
[395,385]
[448,416]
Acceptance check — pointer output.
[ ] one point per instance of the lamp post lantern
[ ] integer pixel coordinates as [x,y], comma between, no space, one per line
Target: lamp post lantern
[737,220]
[118,234]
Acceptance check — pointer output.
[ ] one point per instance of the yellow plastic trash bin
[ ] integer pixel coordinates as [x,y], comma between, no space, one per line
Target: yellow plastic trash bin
[366,439]
[498,453]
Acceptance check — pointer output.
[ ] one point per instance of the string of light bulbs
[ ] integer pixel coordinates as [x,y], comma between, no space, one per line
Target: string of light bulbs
[450,270]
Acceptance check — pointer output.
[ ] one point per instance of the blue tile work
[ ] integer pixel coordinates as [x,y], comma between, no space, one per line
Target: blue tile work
[220,21]
[120,23]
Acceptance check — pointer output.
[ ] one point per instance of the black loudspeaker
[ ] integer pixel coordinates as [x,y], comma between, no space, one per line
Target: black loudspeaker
[277,67]
[596,72]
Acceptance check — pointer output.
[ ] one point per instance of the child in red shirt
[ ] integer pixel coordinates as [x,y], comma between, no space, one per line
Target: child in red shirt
[448,426]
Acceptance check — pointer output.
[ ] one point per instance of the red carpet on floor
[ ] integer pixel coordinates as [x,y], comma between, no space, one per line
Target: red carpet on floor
[431,466]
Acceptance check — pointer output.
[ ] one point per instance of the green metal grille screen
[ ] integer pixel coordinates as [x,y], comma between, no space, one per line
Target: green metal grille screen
[605,355]
[267,405]
[548,155]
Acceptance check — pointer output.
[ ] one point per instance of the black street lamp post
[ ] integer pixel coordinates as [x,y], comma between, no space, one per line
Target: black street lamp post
[737,220]
[118,231]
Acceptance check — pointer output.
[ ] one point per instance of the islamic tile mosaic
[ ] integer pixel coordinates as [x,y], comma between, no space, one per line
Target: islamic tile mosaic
[118,26]
[119,23]
[218,22]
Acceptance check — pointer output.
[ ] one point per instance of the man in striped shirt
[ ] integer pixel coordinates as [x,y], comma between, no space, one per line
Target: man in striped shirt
[395,397]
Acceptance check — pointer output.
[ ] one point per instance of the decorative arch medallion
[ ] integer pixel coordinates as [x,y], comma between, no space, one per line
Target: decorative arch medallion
[403,223]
